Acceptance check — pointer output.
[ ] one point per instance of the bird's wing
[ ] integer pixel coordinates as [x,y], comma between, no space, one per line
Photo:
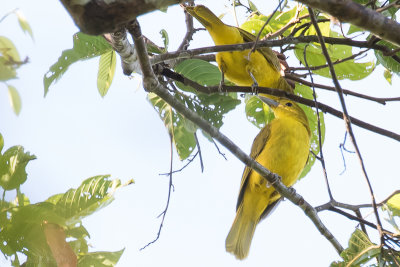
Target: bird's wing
[258,145]
[265,51]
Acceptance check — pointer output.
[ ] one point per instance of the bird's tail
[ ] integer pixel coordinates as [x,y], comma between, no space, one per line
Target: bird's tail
[239,238]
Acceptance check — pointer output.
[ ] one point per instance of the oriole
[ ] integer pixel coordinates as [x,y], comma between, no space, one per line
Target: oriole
[282,147]
[261,67]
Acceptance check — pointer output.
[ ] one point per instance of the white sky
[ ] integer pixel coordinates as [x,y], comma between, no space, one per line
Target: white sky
[76,134]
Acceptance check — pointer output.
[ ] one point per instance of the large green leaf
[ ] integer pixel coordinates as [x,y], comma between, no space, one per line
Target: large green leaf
[22,231]
[106,71]
[7,71]
[12,167]
[199,71]
[348,69]
[92,195]
[257,112]
[100,259]
[85,47]
[388,62]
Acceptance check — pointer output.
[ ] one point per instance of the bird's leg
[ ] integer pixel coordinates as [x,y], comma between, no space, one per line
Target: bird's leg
[222,82]
[255,83]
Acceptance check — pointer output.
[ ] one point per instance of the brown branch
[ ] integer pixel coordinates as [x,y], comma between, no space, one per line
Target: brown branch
[380,100]
[150,83]
[363,17]
[347,119]
[266,90]
[271,43]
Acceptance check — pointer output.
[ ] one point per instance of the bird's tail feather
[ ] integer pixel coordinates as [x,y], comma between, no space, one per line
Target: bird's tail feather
[239,238]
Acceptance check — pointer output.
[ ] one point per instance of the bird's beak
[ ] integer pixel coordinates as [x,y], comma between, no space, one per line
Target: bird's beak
[268,101]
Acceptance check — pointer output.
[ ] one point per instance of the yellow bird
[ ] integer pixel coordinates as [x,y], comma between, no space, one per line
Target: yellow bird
[261,67]
[282,147]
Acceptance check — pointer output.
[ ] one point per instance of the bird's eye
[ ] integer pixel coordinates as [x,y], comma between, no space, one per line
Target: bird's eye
[289,104]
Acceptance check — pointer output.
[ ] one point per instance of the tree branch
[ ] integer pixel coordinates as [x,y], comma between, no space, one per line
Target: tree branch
[271,91]
[150,83]
[361,16]
[347,119]
[271,43]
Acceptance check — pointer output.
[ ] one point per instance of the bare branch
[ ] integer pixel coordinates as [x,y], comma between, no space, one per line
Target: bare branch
[363,17]
[266,90]
[271,43]
[347,119]
[150,83]
[380,100]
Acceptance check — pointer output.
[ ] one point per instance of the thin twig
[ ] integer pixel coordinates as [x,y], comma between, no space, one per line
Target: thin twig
[262,28]
[184,166]
[219,151]
[150,83]
[321,157]
[189,32]
[269,43]
[347,119]
[380,100]
[199,150]
[170,186]
[292,22]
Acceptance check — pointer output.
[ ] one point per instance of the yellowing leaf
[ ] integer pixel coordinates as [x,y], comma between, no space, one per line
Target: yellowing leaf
[106,71]
[23,23]
[394,204]
[15,99]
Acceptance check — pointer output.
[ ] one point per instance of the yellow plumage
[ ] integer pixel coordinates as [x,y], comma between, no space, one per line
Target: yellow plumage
[238,66]
[282,147]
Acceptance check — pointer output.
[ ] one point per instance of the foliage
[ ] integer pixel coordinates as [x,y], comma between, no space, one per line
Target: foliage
[10,61]
[36,230]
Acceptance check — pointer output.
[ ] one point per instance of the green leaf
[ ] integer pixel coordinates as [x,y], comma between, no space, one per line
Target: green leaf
[257,112]
[278,21]
[306,92]
[9,51]
[12,167]
[92,195]
[394,204]
[348,69]
[106,71]
[164,36]
[99,259]
[211,107]
[388,76]
[23,230]
[181,136]
[199,71]
[252,6]
[360,250]
[15,99]
[85,47]
[23,23]
[388,62]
